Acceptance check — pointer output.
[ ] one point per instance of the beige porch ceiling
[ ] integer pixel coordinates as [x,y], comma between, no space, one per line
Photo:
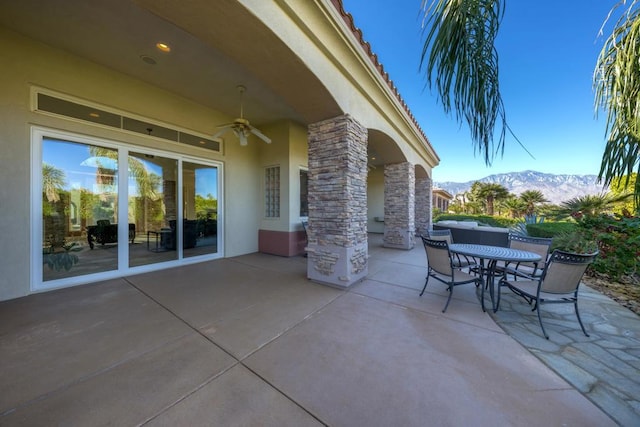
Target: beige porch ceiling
[216,45]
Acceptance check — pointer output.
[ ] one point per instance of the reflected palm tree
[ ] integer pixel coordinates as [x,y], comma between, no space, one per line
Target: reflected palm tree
[147,182]
[53,181]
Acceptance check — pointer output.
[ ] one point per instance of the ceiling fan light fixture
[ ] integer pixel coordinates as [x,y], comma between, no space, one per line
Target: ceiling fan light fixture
[241,126]
[241,135]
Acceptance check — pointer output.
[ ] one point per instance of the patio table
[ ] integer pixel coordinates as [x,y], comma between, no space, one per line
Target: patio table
[491,255]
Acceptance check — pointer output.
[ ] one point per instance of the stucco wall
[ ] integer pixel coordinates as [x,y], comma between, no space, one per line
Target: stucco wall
[26,63]
[375,200]
[299,160]
[275,154]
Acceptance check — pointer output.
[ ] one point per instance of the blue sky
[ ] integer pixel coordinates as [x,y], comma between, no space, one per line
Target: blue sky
[547,53]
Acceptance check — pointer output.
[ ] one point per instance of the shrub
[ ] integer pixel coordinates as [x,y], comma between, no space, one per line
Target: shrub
[619,244]
[550,229]
[579,241]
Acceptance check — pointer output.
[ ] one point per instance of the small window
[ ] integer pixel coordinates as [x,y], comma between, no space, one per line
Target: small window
[272,192]
[304,202]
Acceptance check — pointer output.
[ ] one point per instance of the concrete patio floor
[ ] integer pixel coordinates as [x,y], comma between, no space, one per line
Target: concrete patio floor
[250,341]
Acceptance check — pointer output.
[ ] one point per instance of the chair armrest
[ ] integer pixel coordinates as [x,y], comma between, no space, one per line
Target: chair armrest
[513,269]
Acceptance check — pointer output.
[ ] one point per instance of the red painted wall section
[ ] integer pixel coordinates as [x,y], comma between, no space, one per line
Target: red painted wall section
[281,243]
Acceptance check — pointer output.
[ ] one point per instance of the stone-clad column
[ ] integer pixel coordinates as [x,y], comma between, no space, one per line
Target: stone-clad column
[337,248]
[399,205]
[423,205]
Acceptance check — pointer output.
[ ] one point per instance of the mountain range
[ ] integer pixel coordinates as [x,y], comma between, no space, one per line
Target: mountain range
[556,188]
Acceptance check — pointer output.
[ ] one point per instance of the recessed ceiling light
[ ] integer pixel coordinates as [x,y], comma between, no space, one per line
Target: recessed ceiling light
[163,47]
[203,142]
[94,115]
[148,59]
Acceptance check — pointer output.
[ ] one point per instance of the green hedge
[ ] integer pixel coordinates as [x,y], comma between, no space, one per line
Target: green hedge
[550,229]
[618,239]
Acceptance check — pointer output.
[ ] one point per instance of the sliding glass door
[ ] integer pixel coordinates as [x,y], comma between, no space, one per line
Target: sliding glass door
[153,202]
[171,209]
[79,209]
[200,212]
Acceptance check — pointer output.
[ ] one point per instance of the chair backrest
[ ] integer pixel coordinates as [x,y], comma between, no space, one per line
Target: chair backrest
[438,256]
[440,235]
[536,245]
[563,272]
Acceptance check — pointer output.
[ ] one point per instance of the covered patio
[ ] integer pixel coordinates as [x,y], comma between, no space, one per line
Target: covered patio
[249,340]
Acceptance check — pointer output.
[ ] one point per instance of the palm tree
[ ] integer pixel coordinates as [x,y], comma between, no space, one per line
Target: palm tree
[460,60]
[590,205]
[456,206]
[490,192]
[618,187]
[514,206]
[473,207]
[531,198]
[617,84]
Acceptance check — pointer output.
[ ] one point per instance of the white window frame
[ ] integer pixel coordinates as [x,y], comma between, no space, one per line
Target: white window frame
[38,134]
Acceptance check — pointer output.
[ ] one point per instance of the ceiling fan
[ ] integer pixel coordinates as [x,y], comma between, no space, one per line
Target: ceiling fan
[241,126]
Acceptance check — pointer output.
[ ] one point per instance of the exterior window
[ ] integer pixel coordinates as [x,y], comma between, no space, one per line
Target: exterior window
[79,208]
[272,192]
[304,202]
[104,210]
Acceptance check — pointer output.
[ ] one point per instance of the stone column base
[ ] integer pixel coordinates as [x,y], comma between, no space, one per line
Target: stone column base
[398,239]
[336,265]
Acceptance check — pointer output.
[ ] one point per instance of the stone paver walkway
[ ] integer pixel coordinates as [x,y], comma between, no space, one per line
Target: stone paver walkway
[605,367]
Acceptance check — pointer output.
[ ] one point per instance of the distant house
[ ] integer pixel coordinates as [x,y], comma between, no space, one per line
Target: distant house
[441,199]
[112,162]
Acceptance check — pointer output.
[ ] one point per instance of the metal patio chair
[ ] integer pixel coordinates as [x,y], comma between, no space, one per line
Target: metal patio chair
[459,261]
[441,266]
[528,270]
[558,283]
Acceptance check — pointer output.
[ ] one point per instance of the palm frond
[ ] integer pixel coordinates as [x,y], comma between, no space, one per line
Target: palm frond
[462,65]
[617,88]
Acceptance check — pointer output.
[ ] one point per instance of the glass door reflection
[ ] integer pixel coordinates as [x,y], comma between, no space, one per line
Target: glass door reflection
[153,201]
[200,209]
[79,209]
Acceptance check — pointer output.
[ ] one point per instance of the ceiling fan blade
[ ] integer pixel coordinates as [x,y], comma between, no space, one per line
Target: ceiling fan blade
[222,131]
[226,125]
[260,135]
